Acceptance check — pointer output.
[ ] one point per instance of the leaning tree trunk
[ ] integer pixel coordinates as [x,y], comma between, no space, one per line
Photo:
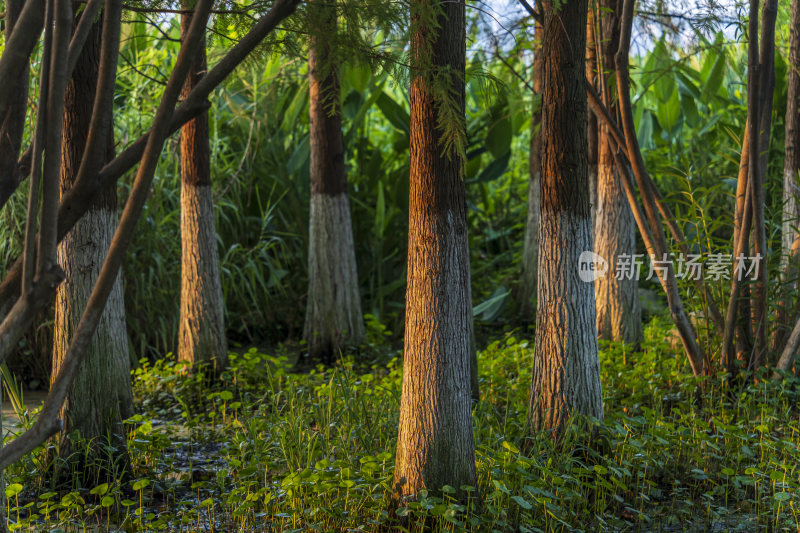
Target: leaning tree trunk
[201,335]
[13,124]
[435,444]
[566,369]
[530,251]
[791,167]
[333,310]
[619,316]
[101,397]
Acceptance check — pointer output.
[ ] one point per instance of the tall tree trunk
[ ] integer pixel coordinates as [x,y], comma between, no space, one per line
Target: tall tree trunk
[100,397]
[594,76]
[790,237]
[13,123]
[619,316]
[566,369]
[201,335]
[435,443]
[333,309]
[530,252]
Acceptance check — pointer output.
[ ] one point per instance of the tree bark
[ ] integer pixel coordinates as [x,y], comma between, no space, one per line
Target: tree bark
[100,397]
[201,332]
[13,123]
[435,443]
[791,167]
[619,316]
[566,369]
[530,252]
[594,76]
[333,309]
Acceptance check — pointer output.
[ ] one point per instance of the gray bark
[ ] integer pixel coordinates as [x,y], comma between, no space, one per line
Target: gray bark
[566,369]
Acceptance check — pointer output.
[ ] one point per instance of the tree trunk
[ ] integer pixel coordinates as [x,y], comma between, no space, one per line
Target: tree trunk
[333,309]
[435,443]
[566,369]
[530,252]
[619,316]
[201,335]
[791,191]
[13,124]
[593,75]
[101,395]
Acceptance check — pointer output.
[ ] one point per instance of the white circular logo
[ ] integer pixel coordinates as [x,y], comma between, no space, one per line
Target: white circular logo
[591,266]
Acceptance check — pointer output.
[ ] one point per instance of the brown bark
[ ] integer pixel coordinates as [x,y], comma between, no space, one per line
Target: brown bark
[619,316]
[79,198]
[13,123]
[791,206]
[47,422]
[333,310]
[530,253]
[595,78]
[763,99]
[101,396]
[435,443]
[659,246]
[201,335]
[566,369]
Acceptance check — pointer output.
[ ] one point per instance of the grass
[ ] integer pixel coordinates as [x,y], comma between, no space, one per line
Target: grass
[268,449]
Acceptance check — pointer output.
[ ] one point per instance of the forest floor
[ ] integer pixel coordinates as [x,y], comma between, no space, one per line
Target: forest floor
[269,449]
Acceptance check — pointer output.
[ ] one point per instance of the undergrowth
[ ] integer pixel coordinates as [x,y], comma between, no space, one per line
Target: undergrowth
[267,449]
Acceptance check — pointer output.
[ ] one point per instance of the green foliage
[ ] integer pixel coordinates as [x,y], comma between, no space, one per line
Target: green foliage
[315,451]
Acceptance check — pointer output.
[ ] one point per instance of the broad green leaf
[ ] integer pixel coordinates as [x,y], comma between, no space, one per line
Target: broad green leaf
[495,169]
[498,138]
[394,113]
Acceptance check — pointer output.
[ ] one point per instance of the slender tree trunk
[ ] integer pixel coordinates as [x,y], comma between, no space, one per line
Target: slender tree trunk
[201,335]
[619,316]
[435,443]
[333,310]
[790,237]
[13,123]
[530,252]
[100,397]
[594,77]
[566,369]
[766,85]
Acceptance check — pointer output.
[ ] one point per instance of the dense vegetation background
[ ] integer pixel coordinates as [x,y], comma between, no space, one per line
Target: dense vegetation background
[267,447]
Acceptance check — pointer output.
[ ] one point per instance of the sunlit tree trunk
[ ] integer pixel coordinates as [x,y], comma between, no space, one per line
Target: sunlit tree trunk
[333,309]
[593,76]
[100,397]
[566,370]
[530,251]
[791,207]
[435,444]
[619,316]
[201,335]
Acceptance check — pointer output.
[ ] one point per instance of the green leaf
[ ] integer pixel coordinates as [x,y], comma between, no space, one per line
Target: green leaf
[522,503]
[495,169]
[141,484]
[99,489]
[498,138]
[491,307]
[299,157]
[394,113]
[669,112]
[13,489]
[226,395]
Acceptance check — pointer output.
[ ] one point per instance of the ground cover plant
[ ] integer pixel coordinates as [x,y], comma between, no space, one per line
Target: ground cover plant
[271,449]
